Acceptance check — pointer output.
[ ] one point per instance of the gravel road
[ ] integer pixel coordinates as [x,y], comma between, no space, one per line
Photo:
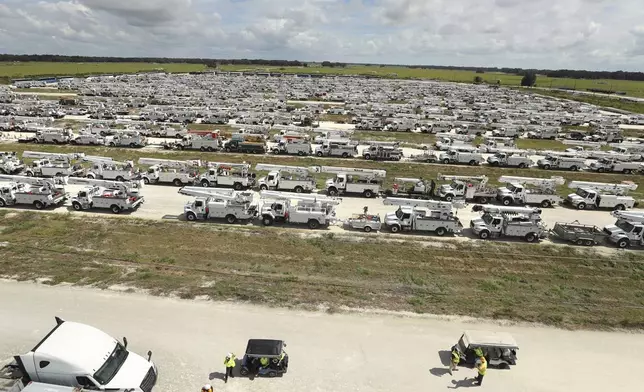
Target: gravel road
[353,352]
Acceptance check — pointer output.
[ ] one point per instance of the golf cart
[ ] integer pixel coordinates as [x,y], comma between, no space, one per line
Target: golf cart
[264,348]
[498,348]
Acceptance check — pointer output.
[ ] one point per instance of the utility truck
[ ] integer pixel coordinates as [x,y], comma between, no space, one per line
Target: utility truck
[292,147]
[465,187]
[51,135]
[47,164]
[516,192]
[562,163]
[79,356]
[88,139]
[422,216]
[235,175]
[350,180]
[228,204]
[116,196]
[417,188]
[501,221]
[626,233]
[494,144]
[209,142]
[464,155]
[613,165]
[128,139]
[167,171]
[590,195]
[286,178]
[346,149]
[39,192]
[9,163]
[313,210]
[106,168]
[380,152]
[511,158]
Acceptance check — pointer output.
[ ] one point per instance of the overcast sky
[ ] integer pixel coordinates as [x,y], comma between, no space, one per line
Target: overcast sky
[580,34]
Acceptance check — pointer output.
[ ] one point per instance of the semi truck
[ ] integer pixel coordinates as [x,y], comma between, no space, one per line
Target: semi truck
[591,195]
[422,216]
[80,356]
[39,192]
[516,192]
[286,178]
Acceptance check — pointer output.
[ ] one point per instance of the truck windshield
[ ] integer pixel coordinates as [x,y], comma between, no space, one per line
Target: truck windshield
[583,193]
[624,225]
[112,365]
[512,188]
[487,218]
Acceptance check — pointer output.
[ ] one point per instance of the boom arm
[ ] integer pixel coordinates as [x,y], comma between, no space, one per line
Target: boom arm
[636,216]
[273,195]
[53,156]
[507,210]
[624,187]
[430,204]
[551,182]
[348,170]
[125,186]
[282,168]
[169,162]
[447,177]
[48,182]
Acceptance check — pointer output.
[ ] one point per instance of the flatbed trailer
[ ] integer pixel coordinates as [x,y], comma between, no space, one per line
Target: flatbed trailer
[578,233]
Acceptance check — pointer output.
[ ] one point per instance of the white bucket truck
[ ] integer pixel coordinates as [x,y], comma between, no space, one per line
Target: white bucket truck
[348,180]
[501,221]
[422,215]
[516,192]
[39,192]
[167,171]
[313,210]
[286,178]
[52,164]
[103,194]
[465,187]
[235,175]
[108,169]
[590,195]
[462,154]
[228,204]
[80,356]
[9,163]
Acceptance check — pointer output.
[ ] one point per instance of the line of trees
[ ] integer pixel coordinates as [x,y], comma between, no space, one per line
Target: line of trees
[561,73]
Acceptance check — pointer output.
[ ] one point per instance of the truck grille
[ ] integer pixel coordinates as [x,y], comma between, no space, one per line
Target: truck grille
[150,379]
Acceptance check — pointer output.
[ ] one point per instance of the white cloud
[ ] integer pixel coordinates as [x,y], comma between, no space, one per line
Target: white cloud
[588,34]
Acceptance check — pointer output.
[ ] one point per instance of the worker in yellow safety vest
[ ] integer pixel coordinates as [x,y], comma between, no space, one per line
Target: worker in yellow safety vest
[264,362]
[456,358]
[481,367]
[229,362]
[206,388]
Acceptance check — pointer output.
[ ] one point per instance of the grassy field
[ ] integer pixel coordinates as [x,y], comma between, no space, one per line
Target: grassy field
[16,70]
[398,169]
[632,88]
[599,100]
[564,286]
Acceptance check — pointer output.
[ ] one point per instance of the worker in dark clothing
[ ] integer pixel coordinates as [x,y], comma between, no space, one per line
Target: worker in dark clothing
[365,209]
[432,186]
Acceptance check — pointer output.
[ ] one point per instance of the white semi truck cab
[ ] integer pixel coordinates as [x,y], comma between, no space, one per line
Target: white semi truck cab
[78,355]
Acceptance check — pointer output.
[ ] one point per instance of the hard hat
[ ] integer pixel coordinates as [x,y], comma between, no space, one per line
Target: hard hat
[229,355]
[206,387]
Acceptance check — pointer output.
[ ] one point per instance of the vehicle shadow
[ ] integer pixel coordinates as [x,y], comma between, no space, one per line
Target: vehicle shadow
[464,383]
[439,371]
[445,357]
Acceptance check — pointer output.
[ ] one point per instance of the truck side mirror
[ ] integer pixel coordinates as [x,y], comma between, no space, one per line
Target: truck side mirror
[149,355]
[124,342]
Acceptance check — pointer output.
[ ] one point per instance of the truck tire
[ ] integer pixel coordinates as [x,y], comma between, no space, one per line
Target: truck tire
[301,153]
[132,145]
[522,165]
[494,163]
[298,189]
[77,206]
[345,155]
[368,193]
[367,156]
[441,231]
[332,191]
[507,201]
[227,149]
[627,171]
[30,174]
[115,209]
[367,229]
[2,203]
[573,168]
[394,228]
[243,372]
[600,170]
[581,206]
[446,161]
[39,205]
[237,186]
[119,178]
[473,163]
[263,187]
[546,166]
[91,176]
[146,180]
[205,183]
[531,237]
[191,216]
[202,148]
[276,151]
[589,243]
[623,243]
[177,182]
[620,207]
[449,197]
[319,154]
[313,224]
[267,220]
[546,203]
[74,142]
[210,149]
[230,218]
[484,235]
[112,144]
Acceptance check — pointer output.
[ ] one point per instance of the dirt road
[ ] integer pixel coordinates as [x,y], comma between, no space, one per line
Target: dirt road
[328,352]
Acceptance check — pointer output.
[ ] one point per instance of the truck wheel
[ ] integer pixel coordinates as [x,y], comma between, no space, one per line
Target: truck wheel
[272,373]
[77,206]
[267,220]
[367,193]
[507,201]
[484,235]
[623,243]
[546,203]
[177,182]
[600,170]
[298,189]
[522,165]
[446,161]
[191,216]
[620,207]
[531,237]
[205,183]
[581,206]
[30,174]
[112,144]
[230,218]
[119,178]
[146,180]
[39,205]
[332,192]
[202,148]
[579,242]
[367,229]
[132,145]
[91,176]
[472,162]
[115,209]
[441,231]
[546,166]
[494,163]
[367,156]
[449,198]
[345,155]
[74,142]
[227,149]
[573,168]
[276,151]
[319,154]
[394,229]
[589,242]
[313,224]
[482,200]
[2,203]
[237,186]
[627,171]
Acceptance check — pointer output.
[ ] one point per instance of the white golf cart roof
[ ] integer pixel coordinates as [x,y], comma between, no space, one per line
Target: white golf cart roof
[489,339]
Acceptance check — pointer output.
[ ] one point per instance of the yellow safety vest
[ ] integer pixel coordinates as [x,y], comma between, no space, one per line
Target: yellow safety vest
[482,367]
[264,361]
[456,357]
[230,362]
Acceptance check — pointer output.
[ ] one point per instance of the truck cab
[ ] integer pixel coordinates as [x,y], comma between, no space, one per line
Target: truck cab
[625,233]
[78,355]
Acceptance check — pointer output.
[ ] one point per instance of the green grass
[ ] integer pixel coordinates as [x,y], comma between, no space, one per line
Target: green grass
[397,169]
[16,70]
[556,285]
[602,101]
